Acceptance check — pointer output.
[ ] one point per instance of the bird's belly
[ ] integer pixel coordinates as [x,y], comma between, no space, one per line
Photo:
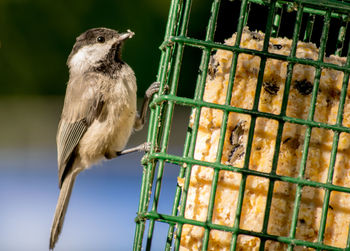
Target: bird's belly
[121,129]
[107,136]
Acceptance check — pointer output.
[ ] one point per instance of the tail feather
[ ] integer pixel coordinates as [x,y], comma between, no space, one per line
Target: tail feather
[61,208]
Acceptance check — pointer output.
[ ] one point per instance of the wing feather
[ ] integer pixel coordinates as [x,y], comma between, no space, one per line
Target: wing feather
[68,138]
[83,104]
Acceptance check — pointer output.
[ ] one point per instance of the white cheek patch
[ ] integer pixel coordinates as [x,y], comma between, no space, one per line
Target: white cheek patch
[89,55]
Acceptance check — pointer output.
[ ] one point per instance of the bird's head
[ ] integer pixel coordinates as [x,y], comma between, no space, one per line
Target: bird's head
[95,47]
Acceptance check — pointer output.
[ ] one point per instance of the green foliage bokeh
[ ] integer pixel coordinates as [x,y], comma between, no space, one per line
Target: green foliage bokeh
[36,37]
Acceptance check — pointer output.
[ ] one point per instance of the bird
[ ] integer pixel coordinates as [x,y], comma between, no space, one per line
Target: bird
[99,112]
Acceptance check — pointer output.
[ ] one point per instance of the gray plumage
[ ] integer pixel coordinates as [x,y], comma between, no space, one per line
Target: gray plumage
[99,111]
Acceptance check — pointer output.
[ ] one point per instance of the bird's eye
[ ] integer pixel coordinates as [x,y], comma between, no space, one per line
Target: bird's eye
[100,39]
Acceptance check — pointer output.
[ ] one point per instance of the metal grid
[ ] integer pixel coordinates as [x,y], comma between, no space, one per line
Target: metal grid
[162,109]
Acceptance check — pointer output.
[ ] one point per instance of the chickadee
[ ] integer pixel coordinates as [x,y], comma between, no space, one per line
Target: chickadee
[99,112]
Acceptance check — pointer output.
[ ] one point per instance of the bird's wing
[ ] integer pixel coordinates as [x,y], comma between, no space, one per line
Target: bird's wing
[82,105]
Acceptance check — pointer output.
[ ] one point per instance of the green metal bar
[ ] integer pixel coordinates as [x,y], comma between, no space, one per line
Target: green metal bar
[339,121]
[210,34]
[189,167]
[348,240]
[270,18]
[164,143]
[192,103]
[169,114]
[298,194]
[309,28]
[183,200]
[210,209]
[155,201]
[318,7]
[178,192]
[164,128]
[168,120]
[154,114]
[140,222]
[242,20]
[181,220]
[245,16]
[198,96]
[323,42]
[205,44]
[169,68]
[196,111]
[271,184]
[166,72]
[281,123]
[314,11]
[327,191]
[277,22]
[190,161]
[341,38]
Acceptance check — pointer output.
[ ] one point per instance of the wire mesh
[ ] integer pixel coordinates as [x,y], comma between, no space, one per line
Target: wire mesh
[162,108]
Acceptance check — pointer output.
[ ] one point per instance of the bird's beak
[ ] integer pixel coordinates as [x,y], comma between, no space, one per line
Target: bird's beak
[128,34]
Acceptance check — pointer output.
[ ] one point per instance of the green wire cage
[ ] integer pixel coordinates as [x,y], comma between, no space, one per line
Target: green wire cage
[162,108]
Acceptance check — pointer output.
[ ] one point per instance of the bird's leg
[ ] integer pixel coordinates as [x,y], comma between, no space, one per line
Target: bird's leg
[145,147]
[139,123]
[141,118]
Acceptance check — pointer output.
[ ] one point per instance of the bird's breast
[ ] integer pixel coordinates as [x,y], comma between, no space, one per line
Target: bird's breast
[111,131]
[121,117]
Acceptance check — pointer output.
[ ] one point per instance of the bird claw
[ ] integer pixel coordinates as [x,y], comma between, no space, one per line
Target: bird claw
[154,88]
[146,147]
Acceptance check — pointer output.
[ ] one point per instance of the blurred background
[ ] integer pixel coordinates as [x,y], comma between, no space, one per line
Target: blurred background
[36,37]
